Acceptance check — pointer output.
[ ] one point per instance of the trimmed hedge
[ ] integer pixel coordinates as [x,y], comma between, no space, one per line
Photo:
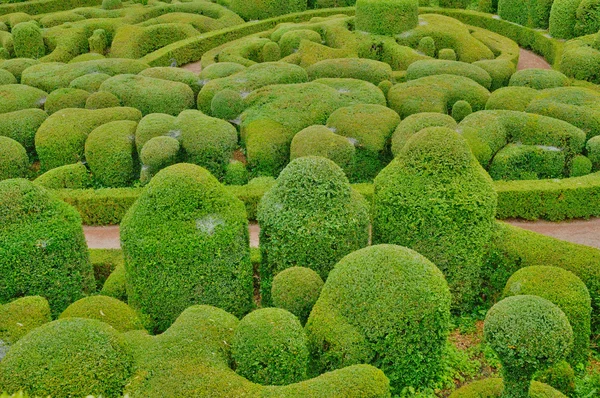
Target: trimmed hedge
[70,176]
[527,162]
[563,17]
[493,388]
[21,316]
[355,68]
[262,9]
[593,151]
[35,7]
[66,98]
[386,17]
[90,82]
[435,198]
[513,98]
[156,154]
[176,75]
[42,246]
[296,290]
[309,218]
[185,241]
[155,125]
[28,41]
[15,97]
[531,13]
[106,309]
[102,100]
[379,303]
[415,123]
[269,348]
[539,79]
[235,173]
[115,284]
[431,67]
[14,162]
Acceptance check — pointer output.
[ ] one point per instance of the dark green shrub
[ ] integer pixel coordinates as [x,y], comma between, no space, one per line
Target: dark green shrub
[15,97]
[563,17]
[427,46]
[560,376]
[579,166]
[386,17]
[235,173]
[289,43]
[493,388]
[106,309]
[588,17]
[531,13]
[430,67]
[500,71]
[156,154]
[539,79]
[460,110]
[22,125]
[267,146]
[269,347]
[448,225]
[102,100]
[111,4]
[447,54]
[21,316]
[415,123]
[65,98]
[98,41]
[115,284]
[513,98]
[68,357]
[296,289]
[155,125]
[528,333]
[310,218]
[367,313]
[218,70]
[28,40]
[321,141]
[110,153]
[70,176]
[454,3]
[90,82]
[593,152]
[42,247]
[175,75]
[7,78]
[227,104]
[262,9]
[104,262]
[353,68]
[565,290]
[14,162]
[527,162]
[271,52]
[186,241]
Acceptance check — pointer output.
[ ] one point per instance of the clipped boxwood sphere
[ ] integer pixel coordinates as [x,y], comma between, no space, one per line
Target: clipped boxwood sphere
[111,4]
[568,292]
[42,246]
[106,309]
[236,173]
[296,289]
[13,159]
[68,357]
[115,284]
[156,154]
[460,110]
[580,165]
[65,98]
[185,242]
[528,333]
[269,347]
[263,9]
[593,152]
[321,141]
[387,17]
[19,317]
[70,176]
[28,40]
[310,218]
[101,100]
[227,104]
[385,305]
[493,388]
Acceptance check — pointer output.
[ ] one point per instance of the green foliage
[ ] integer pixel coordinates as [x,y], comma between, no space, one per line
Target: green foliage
[593,151]
[432,67]
[500,71]
[515,98]
[460,110]
[155,125]
[454,3]
[528,333]
[104,262]
[21,316]
[427,46]
[98,41]
[296,290]
[353,68]
[102,100]
[70,176]
[415,123]
[321,141]
[527,162]
[271,52]
[111,155]
[267,146]
[560,376]
[158,153]
[386,17]
[269,347]
[65,98]
[378,304]
[310,218]
[28,40]
[563,17]
[227,104]
[115,285]
[194,248]
[235,173]
[175,75]
[531,13]
[106,309]
[14,162]
[435,198]
[492,388]
[90,82]
[7,78]
[42,246]
[588,17]
[539,79]
[68,357]
[289,43]
[15,97]
[111,4]
[447,54]
[262,9]
[579,166]
[16,66]
[220,69]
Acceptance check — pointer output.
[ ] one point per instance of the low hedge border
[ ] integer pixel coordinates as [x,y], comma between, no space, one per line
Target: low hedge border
[46,6]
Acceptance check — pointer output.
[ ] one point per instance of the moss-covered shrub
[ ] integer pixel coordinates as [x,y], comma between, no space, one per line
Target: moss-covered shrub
[448,225]
[187,238]
[415,123]
[22,125]
[14,162]
[15,97]
[427,46]
[593,152]
[528,333]
[368,313]
[353,68]
[539,79]
[321,141]
[227,104]
[493,388]
[155,125]
[115,284]
[565,290]
[70,176]
[447,54]
[235,173]
[310,218]
[21,316]
[106,309]
[98,41]
[527,162]
[90,82]
[158,153]
[110,153]
[269,347]
[218,70]
[296,290]
[432,67]
[28,40]
[563,16]
[513,98]
[175,75]
[7,78]
[102,100]
[68,357]
[262,9]
[587,17]
[531,13]
[387,17]
[65,98]
[460,110]
[579,166]
[267,146]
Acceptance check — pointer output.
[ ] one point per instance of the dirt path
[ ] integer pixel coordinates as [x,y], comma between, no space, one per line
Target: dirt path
[529,60]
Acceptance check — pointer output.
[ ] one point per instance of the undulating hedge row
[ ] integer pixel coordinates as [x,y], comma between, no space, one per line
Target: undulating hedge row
[35,7]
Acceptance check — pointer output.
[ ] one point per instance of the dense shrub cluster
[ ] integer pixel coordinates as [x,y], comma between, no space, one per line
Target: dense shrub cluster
[296,289]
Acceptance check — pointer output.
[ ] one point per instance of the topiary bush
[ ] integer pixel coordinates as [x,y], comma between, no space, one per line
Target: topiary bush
[70,176]
[296,290]
[431,67]
[579,166]
[236,173]
[158,153]
[309,218]
[102,100]
[531,13]
[587,17]
[528,333]
[155,125]
[539,79]
[460,110]
[493,387]
[98,41]
[427,46]
[106,309]
[378,304]
[565,290]
[21,316]
[14,162]
[269,347]
[28,40]
[42,246]
[22,125]
[185,241]
[351,68]
[227,104]
[90,82]
[15,97]
[415,123]
[262,9]
[386,17]
[563,17]
[114,286]
[454,3]
[449,225]
[447,54]
[65,98]
[593,150]
[111,4]
[514,98]
[527,162]
[68,357]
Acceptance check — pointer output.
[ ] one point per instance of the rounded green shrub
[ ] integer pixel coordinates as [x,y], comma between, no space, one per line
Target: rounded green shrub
[539,79]
[87,57]
[219,70]
[351,68]
[427,46]
[68,357]
[28,40]
[528,333]
[236,173]
[321,141]
[587,17]
[447,54]
[110,153]
[14,162]
[7,78]
[454,3]
[111,4]
[70,176]
[289,42]
[65,98]
[114,286]
[185,241]
[378,304]
[515,98]
[309,218]
[106,309]
[156,154]
[22,125]
[430,67]
[16,66]
[98,41]
[296,290]
[527,162]
[227,104]
[267,146]
[435,198]
[21,316]
[460,110]
[90,82]
[579,166]
[175,75]
[531,13]
[415,123]
[155,125]
[386,17]
[269,347]
[493,388]
[271,52]
[15,97]
[563,17]
[560,376]
[500,71]
[565,290]
[262,9]
[593,152]
[102,100]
